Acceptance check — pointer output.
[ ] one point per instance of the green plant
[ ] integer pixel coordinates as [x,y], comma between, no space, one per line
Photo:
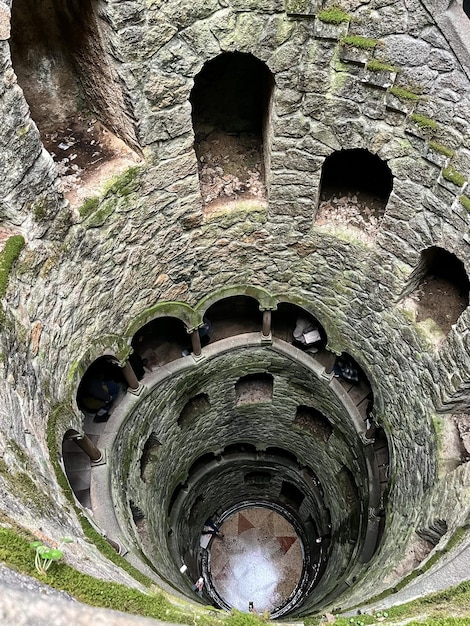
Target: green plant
[403,94]
[356,41]
[465,202]
[333,15]
[425,123]
[453,176]
[441,148]
[44,555]
[374,65]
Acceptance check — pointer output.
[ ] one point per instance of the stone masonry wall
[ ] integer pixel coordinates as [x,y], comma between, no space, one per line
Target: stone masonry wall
[78,287]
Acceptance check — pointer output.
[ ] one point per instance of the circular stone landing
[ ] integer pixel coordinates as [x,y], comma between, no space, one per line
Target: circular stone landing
[259,560]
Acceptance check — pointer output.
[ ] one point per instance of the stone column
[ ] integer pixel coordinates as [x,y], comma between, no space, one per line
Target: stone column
[88,447]
[266,336]
[330,362]
[130,377]
[195,342]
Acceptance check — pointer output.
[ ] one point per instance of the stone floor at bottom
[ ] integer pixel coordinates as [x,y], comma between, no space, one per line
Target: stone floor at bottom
[258,560]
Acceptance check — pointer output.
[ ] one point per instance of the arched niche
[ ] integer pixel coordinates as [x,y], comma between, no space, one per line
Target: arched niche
[231,103]
[77,468]
[160,341]
[438,289]
[58,52]
[354,189]
[233,316]
[356,383]
[100,388]
[295,325]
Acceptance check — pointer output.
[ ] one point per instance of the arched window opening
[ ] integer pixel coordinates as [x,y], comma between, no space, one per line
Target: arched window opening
[201,463]
[193,408]
[257,478]
[466,8]
[233,316]
[254,388]
[137,513]
[292,494]
[77,467]
[349,487]
[282,454]
[71,86]
[100,388]
[314,422]
[438,289]
[149,457]
[231,108]
[240,448]
[354,190]
[160,341]
[298,327]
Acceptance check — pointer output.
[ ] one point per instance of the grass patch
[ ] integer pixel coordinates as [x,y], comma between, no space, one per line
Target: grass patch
[17,553]
[333,15]
[356,41]
[90,205]
[121,186]
[465,202]
[374,65]
[441,148]
[403,94]
[453,176]
[8,257]
[425,123]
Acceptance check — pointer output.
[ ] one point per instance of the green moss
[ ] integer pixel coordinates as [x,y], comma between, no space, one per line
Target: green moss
[16,552]
[453,176]
[441,148]
[374,65]
[98,209]
[90,205]
[356,41]
[333,15]
[425,123]
[403,94]
[465,202]
[99,217]
[125,183]
[8,257]
[39,210]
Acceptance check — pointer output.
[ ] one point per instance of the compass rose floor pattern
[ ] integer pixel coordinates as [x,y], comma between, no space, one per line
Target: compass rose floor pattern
[258,560]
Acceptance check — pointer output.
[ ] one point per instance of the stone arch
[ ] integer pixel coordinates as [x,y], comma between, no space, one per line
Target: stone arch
[231,108]
[100,387]
[161,340]
[265,299]
[112,346]
[438,288]
[358,179]
[179,310]
[295,324]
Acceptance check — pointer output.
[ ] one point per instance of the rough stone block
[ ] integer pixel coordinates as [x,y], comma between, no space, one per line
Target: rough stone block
[5,17]
[302,8]
[324,30]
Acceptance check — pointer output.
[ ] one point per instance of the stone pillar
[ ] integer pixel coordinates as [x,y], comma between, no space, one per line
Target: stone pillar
[130,377]
[88,447]
[196,342]
[331,360]
[266,336]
